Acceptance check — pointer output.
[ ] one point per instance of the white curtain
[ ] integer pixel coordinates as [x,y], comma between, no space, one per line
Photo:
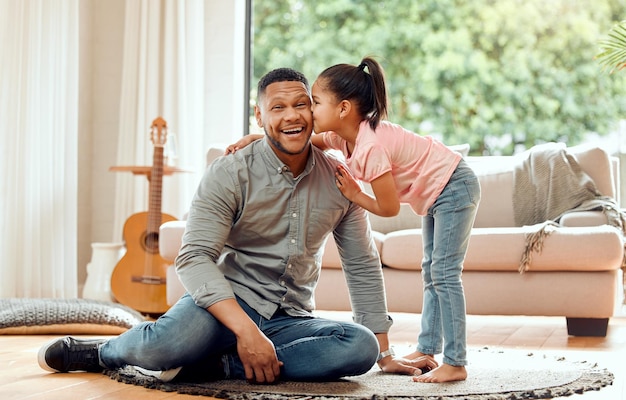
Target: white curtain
[38,147]
[162,75]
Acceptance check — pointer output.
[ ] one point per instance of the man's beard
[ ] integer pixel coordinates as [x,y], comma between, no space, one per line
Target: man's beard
[281,148]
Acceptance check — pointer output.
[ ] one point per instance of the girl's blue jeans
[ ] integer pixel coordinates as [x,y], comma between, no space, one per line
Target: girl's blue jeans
[446,233]
[311,349]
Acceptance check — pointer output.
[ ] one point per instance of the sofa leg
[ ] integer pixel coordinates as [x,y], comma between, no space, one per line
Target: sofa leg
[587,326]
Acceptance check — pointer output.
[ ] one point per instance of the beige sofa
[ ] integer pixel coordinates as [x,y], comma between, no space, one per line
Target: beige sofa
[576,275]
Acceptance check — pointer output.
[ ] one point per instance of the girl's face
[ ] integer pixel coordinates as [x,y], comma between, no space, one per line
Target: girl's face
[326,110]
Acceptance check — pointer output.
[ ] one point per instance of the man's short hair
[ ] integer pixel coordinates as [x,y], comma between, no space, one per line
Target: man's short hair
[280,75]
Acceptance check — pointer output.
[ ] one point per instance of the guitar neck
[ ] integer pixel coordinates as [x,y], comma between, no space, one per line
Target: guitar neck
[156,180]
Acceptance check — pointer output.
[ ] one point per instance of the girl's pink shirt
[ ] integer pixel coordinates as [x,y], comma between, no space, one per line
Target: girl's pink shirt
[420,165]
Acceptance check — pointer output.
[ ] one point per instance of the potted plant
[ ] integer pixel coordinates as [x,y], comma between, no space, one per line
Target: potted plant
[612,54]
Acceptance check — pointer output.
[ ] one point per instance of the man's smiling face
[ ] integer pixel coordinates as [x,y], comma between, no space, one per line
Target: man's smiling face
[284,112]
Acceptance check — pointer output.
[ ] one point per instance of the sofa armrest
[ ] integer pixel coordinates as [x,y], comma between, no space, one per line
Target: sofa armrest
[583,218]
[170,239]
[171,232]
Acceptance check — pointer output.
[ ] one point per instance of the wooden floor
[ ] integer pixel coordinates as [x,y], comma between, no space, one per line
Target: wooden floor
[21,377]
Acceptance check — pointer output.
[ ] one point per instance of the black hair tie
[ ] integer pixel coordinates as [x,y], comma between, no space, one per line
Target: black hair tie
[362,66]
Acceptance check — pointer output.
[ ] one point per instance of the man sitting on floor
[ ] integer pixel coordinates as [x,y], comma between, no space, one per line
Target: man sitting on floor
[250,261]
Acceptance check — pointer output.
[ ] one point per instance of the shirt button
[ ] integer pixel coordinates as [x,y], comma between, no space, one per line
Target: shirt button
[289,266]
[283,299]
[293,240]
[294,215]
[282,283]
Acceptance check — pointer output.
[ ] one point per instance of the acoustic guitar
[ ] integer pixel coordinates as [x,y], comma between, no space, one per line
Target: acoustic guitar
[138,279]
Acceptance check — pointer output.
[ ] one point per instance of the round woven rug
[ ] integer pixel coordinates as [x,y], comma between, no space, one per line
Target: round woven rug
[492,375]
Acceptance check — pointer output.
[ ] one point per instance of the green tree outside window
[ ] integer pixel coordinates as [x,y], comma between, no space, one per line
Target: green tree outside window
[502,75]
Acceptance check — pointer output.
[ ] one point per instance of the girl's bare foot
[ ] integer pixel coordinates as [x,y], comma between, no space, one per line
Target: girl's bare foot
[443,373]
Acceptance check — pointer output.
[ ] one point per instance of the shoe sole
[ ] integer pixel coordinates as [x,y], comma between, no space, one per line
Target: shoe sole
[163,376]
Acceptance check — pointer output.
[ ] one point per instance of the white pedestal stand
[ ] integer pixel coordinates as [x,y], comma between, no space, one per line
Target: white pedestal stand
[104,258]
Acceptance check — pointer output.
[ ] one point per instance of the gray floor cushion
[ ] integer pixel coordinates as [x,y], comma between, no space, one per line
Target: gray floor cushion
[28,316]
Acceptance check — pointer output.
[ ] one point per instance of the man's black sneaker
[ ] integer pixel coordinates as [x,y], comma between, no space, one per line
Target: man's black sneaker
[211,369]
[70,354]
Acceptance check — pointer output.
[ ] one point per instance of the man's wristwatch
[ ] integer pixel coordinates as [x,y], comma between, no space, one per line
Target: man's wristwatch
[385,353]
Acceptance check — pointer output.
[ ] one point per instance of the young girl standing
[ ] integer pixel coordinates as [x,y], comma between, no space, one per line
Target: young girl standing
[349,105]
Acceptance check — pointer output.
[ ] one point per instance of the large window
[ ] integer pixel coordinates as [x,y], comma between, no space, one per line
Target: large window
[501,75]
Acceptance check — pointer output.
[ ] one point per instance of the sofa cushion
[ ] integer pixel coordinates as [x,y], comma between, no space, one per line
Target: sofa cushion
[596,248]
[495,174]
[403,250]
[583,218]
[406,219]
[596,163]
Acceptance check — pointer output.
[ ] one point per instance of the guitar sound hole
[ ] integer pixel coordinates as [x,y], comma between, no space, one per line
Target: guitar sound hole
[151,242]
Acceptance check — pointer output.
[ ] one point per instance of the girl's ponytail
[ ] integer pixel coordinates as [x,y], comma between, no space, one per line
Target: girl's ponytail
[379,91]
[365,88]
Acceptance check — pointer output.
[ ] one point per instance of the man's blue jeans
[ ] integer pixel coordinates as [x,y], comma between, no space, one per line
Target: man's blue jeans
[446,232]
[311,349]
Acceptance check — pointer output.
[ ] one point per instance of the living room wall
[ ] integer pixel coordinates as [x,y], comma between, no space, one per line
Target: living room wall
[101,59]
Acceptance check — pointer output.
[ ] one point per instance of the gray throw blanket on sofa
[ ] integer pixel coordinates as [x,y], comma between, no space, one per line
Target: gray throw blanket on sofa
[549,182]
